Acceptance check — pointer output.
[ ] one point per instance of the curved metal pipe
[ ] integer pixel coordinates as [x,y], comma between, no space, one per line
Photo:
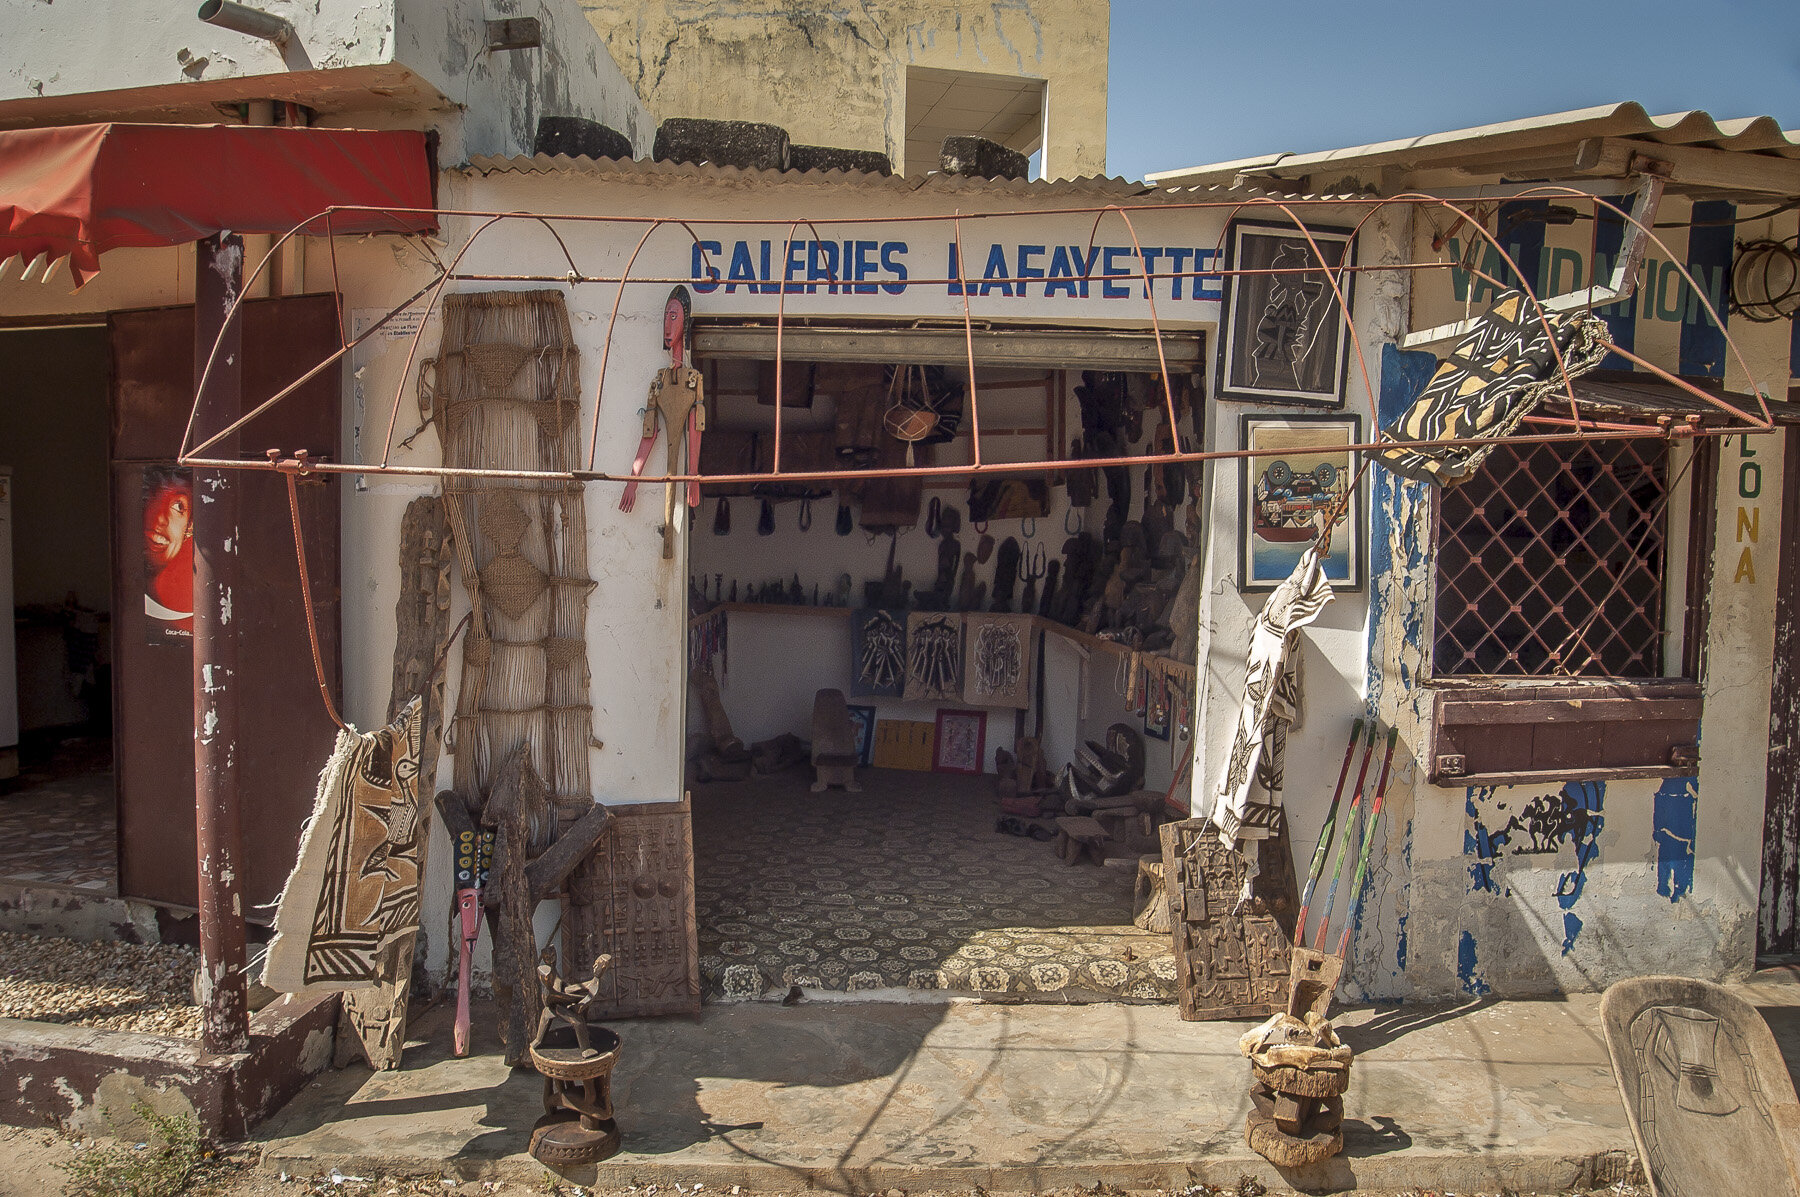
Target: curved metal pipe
[241,18]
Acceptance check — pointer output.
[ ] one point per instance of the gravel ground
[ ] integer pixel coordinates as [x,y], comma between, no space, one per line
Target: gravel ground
[117,986]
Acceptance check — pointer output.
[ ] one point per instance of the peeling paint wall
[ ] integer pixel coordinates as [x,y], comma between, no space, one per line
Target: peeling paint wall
[1570,885]
[835,74]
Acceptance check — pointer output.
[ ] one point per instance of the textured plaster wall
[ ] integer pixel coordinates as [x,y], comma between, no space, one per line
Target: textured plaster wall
[835,74]
[360,63]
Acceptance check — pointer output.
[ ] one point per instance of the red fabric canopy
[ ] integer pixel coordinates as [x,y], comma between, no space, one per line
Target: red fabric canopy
[80,190]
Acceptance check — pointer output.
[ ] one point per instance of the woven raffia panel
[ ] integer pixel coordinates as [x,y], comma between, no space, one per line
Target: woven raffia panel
[508,386]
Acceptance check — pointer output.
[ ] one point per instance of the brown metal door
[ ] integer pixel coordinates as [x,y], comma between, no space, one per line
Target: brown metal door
[284,730]
[1776,932]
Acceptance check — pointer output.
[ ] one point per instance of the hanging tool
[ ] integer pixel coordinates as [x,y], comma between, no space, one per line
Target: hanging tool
[677,396]
[1362,863]
[1033,566]
[1313,976]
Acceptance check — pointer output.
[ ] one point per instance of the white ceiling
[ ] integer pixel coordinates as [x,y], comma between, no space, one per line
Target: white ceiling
[939,104]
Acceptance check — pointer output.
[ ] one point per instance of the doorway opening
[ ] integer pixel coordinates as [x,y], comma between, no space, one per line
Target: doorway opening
[58,808]
[1007,663]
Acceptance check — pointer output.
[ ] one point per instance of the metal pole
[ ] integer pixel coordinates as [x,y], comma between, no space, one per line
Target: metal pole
[225,1025]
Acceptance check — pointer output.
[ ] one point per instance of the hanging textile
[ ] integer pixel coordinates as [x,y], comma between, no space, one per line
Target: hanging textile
[1490,382]
[355,885]
[877,653]
[999,655]
[505,392]
[1247,803]
[933,656]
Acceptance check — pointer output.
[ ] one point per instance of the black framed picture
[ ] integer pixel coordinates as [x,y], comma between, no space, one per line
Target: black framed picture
[1285,339]
[1286,497]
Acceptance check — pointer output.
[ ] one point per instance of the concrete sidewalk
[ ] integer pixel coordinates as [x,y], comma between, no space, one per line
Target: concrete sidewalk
[866,1097]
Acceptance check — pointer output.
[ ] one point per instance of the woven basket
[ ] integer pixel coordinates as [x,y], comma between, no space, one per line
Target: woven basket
[495,363]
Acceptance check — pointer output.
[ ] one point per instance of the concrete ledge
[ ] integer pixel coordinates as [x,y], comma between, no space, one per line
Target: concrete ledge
[66,912]
[89,1080]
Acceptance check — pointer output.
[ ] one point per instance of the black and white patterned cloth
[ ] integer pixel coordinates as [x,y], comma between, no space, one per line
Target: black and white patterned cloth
[1490,382]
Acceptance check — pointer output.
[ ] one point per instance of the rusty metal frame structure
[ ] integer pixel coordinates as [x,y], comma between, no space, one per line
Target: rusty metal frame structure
[1572,426]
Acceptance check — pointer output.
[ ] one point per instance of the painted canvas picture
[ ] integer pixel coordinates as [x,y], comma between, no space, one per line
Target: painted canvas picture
[863,719]
[1287,499]
[961,741]
[1285,340]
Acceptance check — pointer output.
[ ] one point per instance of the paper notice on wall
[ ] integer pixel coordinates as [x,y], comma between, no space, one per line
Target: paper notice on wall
[375,364]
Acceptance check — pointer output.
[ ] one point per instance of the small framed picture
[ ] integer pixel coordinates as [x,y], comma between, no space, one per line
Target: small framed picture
[961,741]
[1286,339]
[863,718]
[1286,497]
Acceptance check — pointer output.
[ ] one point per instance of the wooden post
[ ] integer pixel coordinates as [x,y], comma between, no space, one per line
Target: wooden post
[225,1025]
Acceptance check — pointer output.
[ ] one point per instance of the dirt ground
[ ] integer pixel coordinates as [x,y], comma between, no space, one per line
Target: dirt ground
[34,1162]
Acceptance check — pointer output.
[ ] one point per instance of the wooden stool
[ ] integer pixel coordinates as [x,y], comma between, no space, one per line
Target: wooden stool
[1078,836]
[1150,895]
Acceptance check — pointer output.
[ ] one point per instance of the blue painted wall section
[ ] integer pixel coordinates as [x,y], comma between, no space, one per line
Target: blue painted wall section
[1580,821]
[1542,824]
[1674,817]
[1709,261]
[1468,967]
[1406,913]
[1403,376]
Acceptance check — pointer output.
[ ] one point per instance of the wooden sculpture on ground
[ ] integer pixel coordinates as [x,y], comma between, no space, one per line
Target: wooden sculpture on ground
[576,1061]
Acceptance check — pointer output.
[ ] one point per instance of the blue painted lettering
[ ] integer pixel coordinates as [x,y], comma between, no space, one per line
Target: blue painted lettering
[742,269]
[703,268]
[1109,266]
[1026,269]
[890,262]
[1062,274]
[1178,258]
[994,273]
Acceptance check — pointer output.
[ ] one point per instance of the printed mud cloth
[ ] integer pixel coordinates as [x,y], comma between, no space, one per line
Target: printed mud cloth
[1247,803]
[355,886]
[1490,382]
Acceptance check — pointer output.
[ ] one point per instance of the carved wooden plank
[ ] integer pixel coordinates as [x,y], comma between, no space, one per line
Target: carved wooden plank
[1229,963]
[518,803]
[571,848]
[634,899]
[375,1018]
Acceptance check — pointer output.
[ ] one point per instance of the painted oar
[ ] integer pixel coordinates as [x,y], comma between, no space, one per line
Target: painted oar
[1319,853]
[1362,863]
[1350,824]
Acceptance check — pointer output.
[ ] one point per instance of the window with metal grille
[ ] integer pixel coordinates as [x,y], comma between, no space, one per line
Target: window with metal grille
[1550,563]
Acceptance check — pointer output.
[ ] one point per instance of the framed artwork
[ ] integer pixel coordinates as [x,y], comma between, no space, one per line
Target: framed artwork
[961,741]
[863,718]
[904,744]
[877,653]
[1285,338]
[1285,498]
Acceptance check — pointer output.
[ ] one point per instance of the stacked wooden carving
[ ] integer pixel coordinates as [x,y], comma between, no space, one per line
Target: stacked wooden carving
[1298,1074]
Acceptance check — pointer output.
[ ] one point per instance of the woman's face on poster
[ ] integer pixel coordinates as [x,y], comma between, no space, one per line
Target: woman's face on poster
[167,524]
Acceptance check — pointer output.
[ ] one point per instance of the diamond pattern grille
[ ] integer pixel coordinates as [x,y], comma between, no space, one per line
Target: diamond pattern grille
[1550,563]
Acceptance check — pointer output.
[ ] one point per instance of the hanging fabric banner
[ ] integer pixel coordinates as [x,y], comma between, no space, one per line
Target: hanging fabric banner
[999,654]
[1247,803]
[933,656]
[355,885]
[877,653]
[1490,382]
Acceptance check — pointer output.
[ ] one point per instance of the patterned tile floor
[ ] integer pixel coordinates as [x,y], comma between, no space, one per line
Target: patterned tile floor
[57,820]
[906,885]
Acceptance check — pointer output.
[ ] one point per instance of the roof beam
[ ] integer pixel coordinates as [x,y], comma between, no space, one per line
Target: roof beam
[1691,166]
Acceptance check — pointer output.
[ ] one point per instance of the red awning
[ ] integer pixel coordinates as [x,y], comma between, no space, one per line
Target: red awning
[79,190]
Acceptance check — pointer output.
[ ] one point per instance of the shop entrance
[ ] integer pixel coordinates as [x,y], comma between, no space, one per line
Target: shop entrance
[955,647]
[58,823]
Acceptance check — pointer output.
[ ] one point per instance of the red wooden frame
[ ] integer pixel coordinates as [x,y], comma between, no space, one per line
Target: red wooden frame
[947,715]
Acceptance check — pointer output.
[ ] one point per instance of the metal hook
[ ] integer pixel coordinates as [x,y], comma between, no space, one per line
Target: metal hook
[1079,521]
[1028,527]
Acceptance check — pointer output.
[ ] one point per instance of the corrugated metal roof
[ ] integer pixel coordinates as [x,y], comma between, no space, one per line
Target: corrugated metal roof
[1758,134]
[649,171]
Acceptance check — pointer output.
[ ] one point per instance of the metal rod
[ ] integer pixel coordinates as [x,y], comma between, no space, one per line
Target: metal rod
[225,1016]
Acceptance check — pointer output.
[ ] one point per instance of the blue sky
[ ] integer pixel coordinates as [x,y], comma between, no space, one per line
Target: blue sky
[1201,82]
